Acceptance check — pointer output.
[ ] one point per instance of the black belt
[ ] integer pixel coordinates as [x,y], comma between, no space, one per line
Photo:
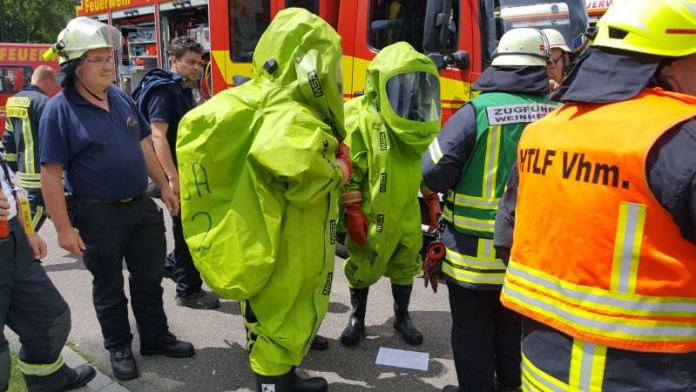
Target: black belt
[107,201]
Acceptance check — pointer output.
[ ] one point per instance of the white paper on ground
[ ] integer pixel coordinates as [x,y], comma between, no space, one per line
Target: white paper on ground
[402,358]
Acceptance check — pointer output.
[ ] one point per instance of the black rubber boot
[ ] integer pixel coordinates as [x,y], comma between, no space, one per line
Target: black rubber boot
[319,343]
[356,323]
[402,322]
[313,384]
[272,383]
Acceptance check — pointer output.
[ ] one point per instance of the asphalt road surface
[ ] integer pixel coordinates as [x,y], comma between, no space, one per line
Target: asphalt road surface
[221,362]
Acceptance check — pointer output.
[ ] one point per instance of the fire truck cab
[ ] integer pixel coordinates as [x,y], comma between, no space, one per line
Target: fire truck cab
[461,36]
[17,64]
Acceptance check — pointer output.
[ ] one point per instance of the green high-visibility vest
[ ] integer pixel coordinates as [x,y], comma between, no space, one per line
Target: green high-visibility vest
[472,205]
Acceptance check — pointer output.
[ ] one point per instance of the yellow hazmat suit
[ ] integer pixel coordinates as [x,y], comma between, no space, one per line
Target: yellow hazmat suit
[259,179]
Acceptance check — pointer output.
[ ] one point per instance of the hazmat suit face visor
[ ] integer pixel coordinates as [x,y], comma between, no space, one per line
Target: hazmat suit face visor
[414,96]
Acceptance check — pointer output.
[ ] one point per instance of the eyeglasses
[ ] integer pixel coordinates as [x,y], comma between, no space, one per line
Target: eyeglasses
[102,61]
[551,63]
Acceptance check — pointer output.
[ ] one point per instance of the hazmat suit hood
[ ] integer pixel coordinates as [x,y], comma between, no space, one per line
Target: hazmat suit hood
[302,52]
[403,85]
[259,180]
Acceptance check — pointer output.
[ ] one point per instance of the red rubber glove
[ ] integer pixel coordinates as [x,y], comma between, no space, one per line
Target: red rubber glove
[357,222]
[432,201]
[343,161]
[4,212]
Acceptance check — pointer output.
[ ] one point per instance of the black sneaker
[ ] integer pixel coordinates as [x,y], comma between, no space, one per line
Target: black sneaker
[123,364]
[198,300]
[168,345]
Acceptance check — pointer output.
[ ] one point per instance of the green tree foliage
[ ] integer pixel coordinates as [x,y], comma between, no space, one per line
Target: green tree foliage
[34,21]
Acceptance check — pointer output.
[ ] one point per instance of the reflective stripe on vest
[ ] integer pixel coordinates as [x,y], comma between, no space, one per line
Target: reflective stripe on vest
[40,370]
[9,128]
[629,237]
[586,373]
[535,379]
[435,151]
[587,363]
[580,311]
[595,255]
[464,223]
[482,269]
[30,181]
[28,139]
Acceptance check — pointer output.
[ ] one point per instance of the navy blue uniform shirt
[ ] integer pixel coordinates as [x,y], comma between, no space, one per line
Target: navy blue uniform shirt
[100,150]
[165,107]
[163,97]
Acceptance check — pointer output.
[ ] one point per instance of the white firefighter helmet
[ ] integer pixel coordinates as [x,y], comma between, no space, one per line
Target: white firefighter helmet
[83,34]
[522,47]
[556,39]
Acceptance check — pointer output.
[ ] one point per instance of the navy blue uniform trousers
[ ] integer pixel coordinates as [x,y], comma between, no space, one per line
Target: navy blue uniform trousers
[133,231]
[188,279]
[486,340]
[32,307]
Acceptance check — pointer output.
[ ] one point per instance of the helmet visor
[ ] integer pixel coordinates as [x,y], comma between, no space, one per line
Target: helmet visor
[111,36]
[415,96]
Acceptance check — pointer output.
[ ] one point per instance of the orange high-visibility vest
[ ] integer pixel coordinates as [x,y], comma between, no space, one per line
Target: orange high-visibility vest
[594,253]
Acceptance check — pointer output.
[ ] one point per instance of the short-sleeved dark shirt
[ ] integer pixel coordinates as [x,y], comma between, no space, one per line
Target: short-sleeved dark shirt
[169,104]
[100,150]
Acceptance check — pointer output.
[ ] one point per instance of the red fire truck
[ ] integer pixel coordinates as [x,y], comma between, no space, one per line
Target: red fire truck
[17,63]
[460,35]
[596,8]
